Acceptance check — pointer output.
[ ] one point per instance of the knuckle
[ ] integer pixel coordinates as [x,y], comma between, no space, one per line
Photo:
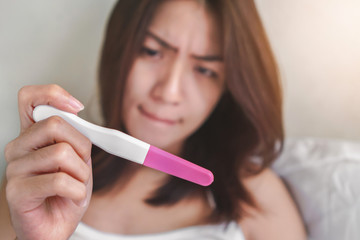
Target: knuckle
[87,174]
[54,123]
[53,90]
[23,93]
[85,149]
[83,172]
[7,151]
[59,180]
[61,151]
[11,190]
[82,191]
[9,170]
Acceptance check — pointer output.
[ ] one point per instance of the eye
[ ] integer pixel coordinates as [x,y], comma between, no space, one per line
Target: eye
[206,72]
[150,52]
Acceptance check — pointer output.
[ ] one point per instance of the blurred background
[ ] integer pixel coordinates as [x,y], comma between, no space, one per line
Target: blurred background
[316,43]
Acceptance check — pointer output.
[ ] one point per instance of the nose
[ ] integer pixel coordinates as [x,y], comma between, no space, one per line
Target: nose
[168,88]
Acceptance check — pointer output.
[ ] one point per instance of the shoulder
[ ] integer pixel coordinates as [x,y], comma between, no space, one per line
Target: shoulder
[266,186]
[276,215]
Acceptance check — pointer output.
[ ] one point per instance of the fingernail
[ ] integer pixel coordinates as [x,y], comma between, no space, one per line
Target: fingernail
[76,103]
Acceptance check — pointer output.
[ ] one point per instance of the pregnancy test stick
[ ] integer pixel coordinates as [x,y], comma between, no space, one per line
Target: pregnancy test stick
[130,148]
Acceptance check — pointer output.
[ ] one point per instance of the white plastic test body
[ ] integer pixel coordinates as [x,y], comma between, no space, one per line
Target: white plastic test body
[110,140]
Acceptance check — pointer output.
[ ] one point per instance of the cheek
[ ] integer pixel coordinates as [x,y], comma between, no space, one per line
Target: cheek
[207,95]
[135,90]
[203,102]
[137,87]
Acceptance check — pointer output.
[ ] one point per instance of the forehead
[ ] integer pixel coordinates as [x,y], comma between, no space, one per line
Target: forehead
[187,25]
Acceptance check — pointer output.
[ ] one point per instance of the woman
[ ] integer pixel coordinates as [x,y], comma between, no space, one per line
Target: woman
[195,78]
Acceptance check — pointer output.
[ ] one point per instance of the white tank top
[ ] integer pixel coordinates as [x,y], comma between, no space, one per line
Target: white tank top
[205,232]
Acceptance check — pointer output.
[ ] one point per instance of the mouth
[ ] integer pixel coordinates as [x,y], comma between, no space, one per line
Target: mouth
[156,118]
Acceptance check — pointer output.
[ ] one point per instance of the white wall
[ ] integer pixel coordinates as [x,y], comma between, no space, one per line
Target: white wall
[316,43]
[45,41]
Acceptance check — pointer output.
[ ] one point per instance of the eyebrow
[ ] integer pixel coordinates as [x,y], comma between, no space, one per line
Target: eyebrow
[161,41]
[208,58]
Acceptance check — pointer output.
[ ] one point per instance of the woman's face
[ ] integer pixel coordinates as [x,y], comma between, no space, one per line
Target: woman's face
[177,78]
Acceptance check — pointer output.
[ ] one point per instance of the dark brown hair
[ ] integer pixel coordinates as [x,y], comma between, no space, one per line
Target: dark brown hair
[242,136]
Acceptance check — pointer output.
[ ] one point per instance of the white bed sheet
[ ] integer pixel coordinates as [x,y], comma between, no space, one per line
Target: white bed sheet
[323,176]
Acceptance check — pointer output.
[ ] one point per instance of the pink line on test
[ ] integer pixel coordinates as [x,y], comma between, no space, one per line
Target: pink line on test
[171,164]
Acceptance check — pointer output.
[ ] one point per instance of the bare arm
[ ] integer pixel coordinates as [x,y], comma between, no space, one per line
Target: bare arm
[278,217]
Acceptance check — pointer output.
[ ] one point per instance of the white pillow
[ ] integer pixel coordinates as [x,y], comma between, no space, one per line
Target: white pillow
[323,176]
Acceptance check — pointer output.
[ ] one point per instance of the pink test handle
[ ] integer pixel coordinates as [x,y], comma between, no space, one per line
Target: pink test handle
[171,164]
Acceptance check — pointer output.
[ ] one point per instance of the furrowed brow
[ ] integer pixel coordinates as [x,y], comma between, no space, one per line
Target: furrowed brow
[209,58]
[161,41]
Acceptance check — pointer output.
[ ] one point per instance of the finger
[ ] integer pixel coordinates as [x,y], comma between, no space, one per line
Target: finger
[31,96]
[29,193]
[59,157]
[47,132]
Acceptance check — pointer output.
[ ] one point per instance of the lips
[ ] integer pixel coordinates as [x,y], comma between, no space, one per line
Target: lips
[154,117]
